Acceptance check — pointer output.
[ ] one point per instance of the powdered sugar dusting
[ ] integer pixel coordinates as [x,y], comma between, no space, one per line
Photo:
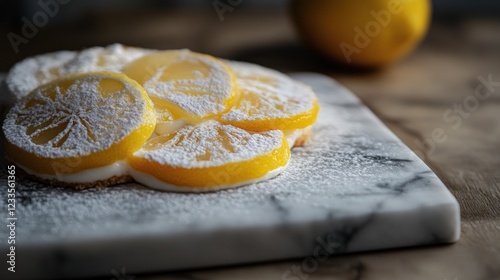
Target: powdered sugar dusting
[278,95]
[86,121]
[110,58]
[31,72]
[209,144]
[202,95]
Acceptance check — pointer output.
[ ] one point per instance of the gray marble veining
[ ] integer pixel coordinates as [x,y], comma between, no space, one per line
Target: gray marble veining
[355,187]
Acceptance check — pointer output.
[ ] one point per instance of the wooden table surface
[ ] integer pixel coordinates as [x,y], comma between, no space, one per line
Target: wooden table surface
[410,97]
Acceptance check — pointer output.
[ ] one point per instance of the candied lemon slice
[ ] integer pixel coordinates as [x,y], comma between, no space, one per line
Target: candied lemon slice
[209,156]
[94,119]
[110,58]
[31,72]
[270,100]
[190,85]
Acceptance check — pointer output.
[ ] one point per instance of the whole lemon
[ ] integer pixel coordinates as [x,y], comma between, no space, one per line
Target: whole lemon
[368,33]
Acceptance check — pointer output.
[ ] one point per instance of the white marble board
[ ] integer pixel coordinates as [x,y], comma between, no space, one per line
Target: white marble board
[355,185]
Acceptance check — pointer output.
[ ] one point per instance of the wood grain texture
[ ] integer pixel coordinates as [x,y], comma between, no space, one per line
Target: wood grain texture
[410,97]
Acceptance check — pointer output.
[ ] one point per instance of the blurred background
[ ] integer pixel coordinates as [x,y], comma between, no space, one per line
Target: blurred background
[409,95]
[255,30]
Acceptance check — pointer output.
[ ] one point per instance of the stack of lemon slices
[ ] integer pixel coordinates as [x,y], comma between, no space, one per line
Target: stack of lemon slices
[172,120]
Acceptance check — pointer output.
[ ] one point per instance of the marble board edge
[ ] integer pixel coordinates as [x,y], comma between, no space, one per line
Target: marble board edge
[286,241]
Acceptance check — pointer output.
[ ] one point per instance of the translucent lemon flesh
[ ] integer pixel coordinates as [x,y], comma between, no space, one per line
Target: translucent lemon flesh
[270,100]
[189,85]
[67,126]
[210,155]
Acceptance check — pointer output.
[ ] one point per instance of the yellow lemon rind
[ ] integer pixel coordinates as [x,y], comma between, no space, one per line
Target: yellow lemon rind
[72,165]
[210,177]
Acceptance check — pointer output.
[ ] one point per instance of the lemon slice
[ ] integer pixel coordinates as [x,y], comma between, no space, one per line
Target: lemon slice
[270,100]
[31,72]
[209,156]
[95,119]
[190,85]
[110,58]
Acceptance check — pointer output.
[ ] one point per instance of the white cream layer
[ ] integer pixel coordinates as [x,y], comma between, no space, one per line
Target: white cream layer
[152,182]
[294,134]
[121,168]
[169,127]
[118,168]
